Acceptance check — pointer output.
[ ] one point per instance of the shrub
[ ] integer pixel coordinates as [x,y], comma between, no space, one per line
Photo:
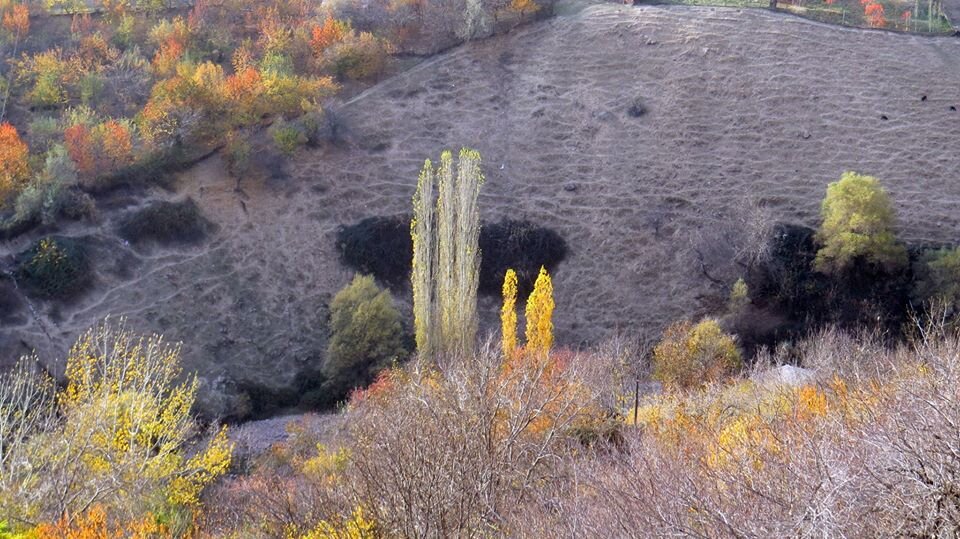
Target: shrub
[858,221]
[166,223]
[739,296]
[366,335]
[237,153]
[43,131]
[288,137]
[91,87]
[358,56]
[496,435]
[938,279]
[118,434]
[54,268]
[690,355]
[48,194]
[50,74]
[14,166]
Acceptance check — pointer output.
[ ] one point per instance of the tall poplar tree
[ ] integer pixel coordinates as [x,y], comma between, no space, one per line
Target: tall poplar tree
[539,315]
[508,314]
[446,254]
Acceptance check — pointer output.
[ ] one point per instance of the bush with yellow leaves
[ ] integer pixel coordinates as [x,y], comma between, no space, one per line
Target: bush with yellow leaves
[690,355]
[119,434]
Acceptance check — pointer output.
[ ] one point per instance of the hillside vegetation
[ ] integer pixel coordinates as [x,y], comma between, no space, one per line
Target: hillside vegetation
[693,272]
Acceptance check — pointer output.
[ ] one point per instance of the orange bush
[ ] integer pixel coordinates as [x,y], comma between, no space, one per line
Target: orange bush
[873,11]
[17,20]
[244,90]
[14,168]
[330,32]
[94,51]
[95,524]
[117,142]
[81,147]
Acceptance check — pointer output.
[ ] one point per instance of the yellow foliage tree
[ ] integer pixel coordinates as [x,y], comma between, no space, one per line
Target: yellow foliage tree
[508,314]
[689,355]
[539,315]
[119,438]
[858,223]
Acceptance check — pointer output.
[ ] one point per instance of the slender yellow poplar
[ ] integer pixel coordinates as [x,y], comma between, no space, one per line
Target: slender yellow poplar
[539,315]
[508,314]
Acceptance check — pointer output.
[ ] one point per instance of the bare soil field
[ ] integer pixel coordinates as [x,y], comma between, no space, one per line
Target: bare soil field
[743,111]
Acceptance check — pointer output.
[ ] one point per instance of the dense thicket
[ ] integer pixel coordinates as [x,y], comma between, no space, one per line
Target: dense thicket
[166,223]
[381,246]
[54,268]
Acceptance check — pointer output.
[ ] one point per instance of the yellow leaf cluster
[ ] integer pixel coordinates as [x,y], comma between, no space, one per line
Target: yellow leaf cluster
[508,314]
[121,434]
[358,526]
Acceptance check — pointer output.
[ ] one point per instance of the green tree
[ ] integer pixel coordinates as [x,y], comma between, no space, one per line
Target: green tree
[938,279]
[689,355]
[366,335]
[858,221]
[446,254]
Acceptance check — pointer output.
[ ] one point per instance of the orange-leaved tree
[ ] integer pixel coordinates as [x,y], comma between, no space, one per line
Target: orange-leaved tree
[326,34]
[17,21]
[81,148]
[14,165]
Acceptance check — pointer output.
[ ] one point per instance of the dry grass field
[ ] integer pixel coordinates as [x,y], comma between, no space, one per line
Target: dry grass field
[745,111]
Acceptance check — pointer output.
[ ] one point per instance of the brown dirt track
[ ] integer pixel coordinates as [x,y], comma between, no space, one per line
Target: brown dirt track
[745,108]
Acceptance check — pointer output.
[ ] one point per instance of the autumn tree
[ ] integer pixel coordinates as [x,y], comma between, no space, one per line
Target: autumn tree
[873,11]
[539,315]
[49,74]
[689,355]
[446,254]
[357,56]
[858,224]
[14,164]
[118,434]
[366,335]
[524,7]
[172,38]
[508,314]
[326,34]
[117,142]
[80,145]
[16,20]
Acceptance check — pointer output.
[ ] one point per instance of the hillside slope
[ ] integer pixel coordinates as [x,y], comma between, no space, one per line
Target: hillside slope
[743,109]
